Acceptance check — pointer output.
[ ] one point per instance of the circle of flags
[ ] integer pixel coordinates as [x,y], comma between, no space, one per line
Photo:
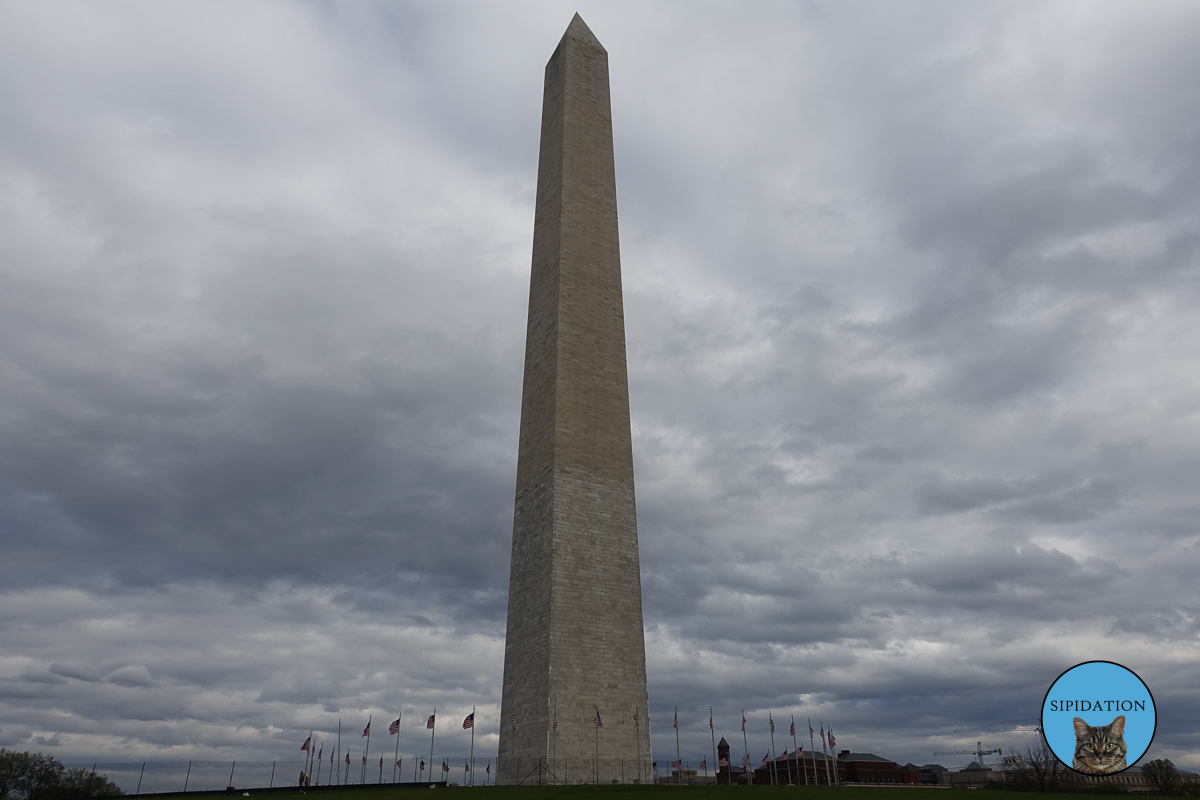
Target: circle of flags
[826,735]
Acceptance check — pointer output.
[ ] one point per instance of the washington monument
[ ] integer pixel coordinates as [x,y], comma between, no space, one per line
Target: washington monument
[575,648]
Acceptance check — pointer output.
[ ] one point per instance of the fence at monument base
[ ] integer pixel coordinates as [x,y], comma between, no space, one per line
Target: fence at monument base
[174,776]
[524,771]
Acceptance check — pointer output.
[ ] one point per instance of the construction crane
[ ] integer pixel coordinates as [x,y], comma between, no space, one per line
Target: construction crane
[1008,726]
[978,752]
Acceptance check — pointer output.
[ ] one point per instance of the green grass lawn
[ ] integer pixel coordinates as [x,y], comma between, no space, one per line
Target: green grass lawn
[667,792]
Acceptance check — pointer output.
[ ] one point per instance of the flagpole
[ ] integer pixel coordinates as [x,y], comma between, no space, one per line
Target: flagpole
[339,751]
[308,758]
[650,738]
[836,778]
[828,780]
[745,763]
[800,753]
[432,735]
[713,735]
[396,758]
[637,734]
[367,752]
[678,758]
[472,782]
[596,726]
[774,768]
[812,748]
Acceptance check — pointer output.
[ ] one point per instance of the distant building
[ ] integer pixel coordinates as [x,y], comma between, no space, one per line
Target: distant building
[788,770]
[935,775]
[975,774]
[869,768]
[727,771]
[1131,780]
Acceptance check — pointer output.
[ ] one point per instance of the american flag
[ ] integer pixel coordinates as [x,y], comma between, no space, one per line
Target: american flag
[743,723]
[429,722]
[394,728]
[445,767]
[306,743]
[746,760]
[398,761]
[767,758]
[822,733]
[724,762]
[331,759]
[321,753]
[832,741]
[466,766]
[347,757]
[367,730]
[710,727]
[784,756]
[488,768]
[677,765]
[772,723]
[512,720]
[364,759]
[555,725]
[422,765]
[792,730]
[675,724]
[469,722]
[597,720]
[810,730]
[635,720]
[703,763]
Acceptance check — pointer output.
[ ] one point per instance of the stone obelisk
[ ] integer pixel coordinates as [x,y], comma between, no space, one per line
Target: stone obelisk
[575,643]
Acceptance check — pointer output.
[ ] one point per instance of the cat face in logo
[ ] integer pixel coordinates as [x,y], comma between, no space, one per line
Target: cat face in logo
[1099,750]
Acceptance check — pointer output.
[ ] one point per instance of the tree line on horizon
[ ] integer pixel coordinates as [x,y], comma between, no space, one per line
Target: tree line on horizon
[35,776]
[1039,770]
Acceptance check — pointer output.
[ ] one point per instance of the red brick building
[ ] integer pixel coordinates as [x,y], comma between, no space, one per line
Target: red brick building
[789,770]
[869,768]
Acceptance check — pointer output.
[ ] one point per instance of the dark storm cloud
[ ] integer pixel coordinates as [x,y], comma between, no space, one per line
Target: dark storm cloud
[908,298]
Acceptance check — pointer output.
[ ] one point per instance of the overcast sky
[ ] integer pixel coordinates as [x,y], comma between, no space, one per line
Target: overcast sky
[911,299]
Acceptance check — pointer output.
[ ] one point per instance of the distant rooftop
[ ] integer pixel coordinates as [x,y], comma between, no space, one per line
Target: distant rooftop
[863,757]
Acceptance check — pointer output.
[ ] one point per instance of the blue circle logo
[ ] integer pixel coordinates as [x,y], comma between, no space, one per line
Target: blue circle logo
[1098,718]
